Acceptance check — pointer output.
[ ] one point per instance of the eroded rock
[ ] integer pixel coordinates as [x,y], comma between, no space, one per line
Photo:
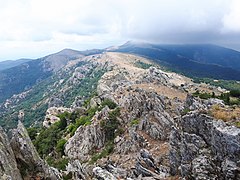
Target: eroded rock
[8,164]
[204,148]
[28,160]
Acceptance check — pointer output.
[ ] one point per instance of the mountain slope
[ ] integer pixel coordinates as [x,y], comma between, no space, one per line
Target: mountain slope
[23,77]
[208,54]
[12,63]
[184,59]
[77,78]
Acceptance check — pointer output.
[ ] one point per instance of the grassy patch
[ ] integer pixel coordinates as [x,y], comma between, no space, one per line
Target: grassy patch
[185,111]
[142,65]
[104,153]
[225,114]
[134,122]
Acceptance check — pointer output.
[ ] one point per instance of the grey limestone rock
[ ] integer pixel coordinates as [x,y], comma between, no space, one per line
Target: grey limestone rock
[77,170]
[204,148]
[28,160]
[102,174]
[85,139]
[8,164]
[146,167]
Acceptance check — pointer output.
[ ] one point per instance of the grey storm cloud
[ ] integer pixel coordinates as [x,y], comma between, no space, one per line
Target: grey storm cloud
[31,28]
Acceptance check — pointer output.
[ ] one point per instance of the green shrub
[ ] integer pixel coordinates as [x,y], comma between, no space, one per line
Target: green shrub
[91,112]
[60,146]
[109,147]
[109,103]
[59,163]
[225,97]
[134,122]
[237,124]
[83,120]
[47,139]
[235,93]
[67,176]
[109,126]
[32,132]
[185,111]
[142,65]
[205,95]
[64,117]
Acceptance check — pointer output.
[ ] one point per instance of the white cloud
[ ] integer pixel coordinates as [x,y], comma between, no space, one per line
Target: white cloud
[232,19]
[32,28]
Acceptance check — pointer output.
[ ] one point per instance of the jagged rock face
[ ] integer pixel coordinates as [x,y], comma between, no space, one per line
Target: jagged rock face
[131,142]
[149,108]
[77,169]
[8,164]
[193,103]
[203,148]
[198,104]
[168,79]
[84,141]
[103,174]
[146,167]
[28,160]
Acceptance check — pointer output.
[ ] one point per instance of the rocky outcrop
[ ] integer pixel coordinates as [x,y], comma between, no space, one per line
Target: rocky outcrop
[28,160]
[146,167]
[194,103]
[8,164]
[52,115]
[204,148]
[100,173]
[149,109]
[77,170]
[84,141]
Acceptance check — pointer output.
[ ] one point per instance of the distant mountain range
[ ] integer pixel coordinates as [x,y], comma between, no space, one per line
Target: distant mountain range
[202,60]
[206,60]
[12,63]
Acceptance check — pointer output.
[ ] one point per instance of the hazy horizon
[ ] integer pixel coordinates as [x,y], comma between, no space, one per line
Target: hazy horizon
[32,29]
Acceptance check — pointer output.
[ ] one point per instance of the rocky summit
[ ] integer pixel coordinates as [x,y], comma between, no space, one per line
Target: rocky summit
[112,116]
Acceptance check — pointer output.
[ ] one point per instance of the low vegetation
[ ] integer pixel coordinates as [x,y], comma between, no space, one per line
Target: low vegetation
[50,142]
[231,98]
[104,153]
[35,103]
[134,122]
[226,84]
[142,65]
[230,114]
[111,127]
[109,103]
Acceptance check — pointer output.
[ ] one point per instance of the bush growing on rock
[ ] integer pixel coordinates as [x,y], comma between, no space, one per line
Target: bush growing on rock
[109,103]
[60,146]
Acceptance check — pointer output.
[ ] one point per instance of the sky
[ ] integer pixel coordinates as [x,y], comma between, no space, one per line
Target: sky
[35,28]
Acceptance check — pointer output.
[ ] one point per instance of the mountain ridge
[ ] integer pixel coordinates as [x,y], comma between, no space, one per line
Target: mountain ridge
[118,116]
[12,63]
[183,64]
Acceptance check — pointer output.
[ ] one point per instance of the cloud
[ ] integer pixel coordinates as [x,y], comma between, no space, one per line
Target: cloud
[32,28]
[232,19]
